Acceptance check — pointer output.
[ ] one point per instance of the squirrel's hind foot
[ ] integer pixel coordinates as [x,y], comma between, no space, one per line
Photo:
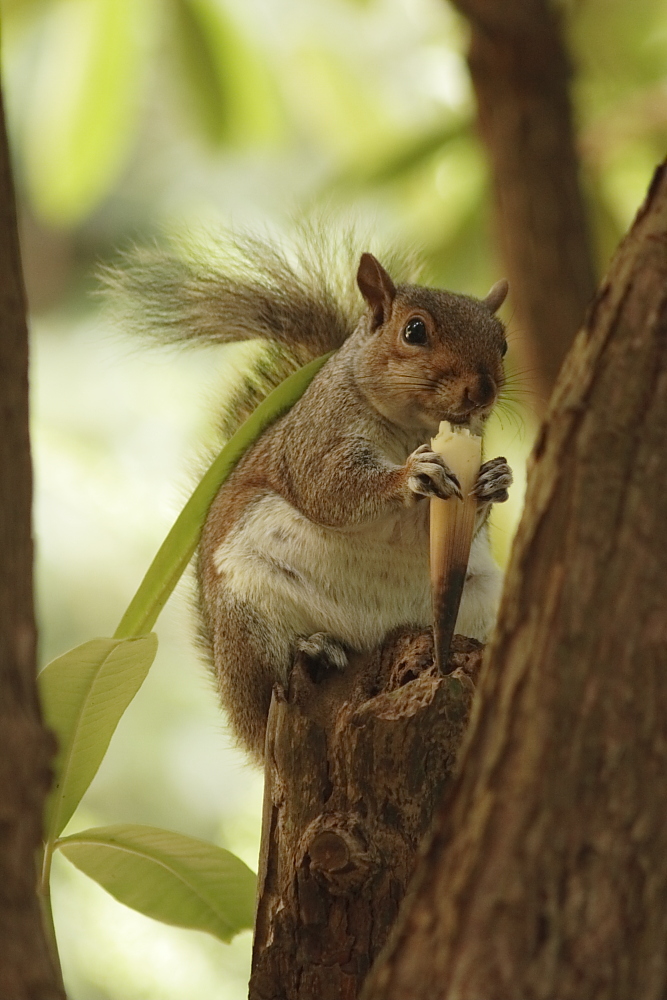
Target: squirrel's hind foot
[324,652]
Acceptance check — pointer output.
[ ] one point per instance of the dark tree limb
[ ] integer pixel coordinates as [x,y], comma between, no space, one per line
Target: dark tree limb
[520,72]
[547,874]
[356,764]
[26,967]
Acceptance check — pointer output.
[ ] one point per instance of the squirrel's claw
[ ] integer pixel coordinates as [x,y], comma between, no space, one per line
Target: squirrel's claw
[494,479]
[429,476]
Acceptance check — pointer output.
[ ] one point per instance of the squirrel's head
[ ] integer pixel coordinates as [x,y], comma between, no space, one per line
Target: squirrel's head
[429,355]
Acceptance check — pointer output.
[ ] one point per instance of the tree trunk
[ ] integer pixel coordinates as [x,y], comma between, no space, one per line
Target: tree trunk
[26,967]
[546,876]
[356,764]
[520,73]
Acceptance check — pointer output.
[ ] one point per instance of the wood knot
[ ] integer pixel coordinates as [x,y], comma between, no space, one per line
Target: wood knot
[334,850]
[328,852]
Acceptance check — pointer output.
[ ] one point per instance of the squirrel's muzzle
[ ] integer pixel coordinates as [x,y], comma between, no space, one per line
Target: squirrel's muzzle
[480,392]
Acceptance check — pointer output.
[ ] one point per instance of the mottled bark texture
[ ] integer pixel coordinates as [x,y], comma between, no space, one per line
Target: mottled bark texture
[520,72]
[546,878]
[25,966]
[356,764]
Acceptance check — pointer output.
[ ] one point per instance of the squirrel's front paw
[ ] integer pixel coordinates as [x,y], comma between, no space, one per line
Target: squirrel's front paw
[494,479]
[429,476]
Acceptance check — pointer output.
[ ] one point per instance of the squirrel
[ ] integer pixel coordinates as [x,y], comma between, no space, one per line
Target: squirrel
[318,540]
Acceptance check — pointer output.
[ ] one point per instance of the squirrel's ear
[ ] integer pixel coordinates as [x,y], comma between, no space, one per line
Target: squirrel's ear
[497,295]
[376,287]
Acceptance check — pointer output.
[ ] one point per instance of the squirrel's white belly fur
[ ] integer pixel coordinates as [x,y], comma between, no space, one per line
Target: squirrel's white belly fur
[356,584]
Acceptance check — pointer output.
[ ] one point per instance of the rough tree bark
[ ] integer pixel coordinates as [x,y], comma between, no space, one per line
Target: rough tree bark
[520,72]
[546,877]
[26,969]
[356,764]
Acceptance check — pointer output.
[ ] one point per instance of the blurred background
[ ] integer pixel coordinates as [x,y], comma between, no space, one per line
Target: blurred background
[129,118]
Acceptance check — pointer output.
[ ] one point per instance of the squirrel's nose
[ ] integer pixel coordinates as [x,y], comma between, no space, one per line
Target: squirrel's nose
[479,392]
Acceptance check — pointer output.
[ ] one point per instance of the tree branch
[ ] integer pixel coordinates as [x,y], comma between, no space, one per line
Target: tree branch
[521,72]
[26,966]
[547,873]
[356,764]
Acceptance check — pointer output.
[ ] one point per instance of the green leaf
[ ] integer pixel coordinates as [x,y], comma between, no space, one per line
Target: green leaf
[176,879]
[200,67]
[178,547]
[233,94]
[410,157]
[84,694]
[83,103]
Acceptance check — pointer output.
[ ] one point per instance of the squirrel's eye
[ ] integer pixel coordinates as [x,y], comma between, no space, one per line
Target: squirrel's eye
[415,331]
[503,349]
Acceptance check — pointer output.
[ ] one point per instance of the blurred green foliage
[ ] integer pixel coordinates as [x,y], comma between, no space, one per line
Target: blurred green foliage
[362,101]
[131,116]
[80,119]
[232,93]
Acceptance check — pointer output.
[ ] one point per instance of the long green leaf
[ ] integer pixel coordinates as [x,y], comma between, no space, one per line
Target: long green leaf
[84,694]
[176,879]
[178,547]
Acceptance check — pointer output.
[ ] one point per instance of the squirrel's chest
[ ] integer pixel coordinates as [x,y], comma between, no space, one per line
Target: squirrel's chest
[350,582]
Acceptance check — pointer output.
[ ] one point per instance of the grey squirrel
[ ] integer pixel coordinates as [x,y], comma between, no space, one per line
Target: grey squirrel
[318,541]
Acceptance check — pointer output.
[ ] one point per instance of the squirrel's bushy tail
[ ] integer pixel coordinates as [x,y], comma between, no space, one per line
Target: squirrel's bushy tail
[303,297]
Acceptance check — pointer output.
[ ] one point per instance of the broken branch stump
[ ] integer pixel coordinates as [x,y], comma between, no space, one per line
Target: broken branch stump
[356,764]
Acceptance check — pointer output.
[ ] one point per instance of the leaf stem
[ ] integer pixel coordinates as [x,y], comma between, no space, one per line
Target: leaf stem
[44,896]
